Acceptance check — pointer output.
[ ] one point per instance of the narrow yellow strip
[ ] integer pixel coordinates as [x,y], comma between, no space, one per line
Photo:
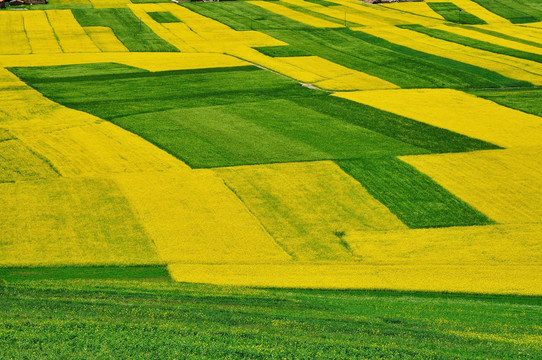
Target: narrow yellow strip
[478,11]
[474,279]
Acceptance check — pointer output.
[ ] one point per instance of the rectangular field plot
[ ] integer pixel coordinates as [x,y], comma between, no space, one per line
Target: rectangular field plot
[70,222]
[17,162]
[307,206]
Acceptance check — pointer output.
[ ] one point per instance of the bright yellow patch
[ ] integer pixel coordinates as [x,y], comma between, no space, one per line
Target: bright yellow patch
[69,222]
[508,66]
[295,15]
[71,36]
[305,205]
[453,278]
[470,246]
[13,39]
[105,39]
[505,185]
[40,33]
[459,112]
[102,4]
[194,218]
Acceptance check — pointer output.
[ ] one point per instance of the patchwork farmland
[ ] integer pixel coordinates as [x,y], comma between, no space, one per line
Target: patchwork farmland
[364,177]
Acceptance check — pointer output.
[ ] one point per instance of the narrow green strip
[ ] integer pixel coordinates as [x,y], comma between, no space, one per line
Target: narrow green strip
[474,43]
[415,198]
[85,272]
[163,17]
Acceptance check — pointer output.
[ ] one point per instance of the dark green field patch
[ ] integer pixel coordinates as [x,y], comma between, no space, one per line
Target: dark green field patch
[153,273]
[237,116]
[517,11]
[474,43]
[527,100]
[415,198]
[163,17]
[257,132]
[134,34]
[87,319]
[356,50]
[454,13]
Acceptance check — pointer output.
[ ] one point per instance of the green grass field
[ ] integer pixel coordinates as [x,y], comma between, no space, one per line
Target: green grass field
[527,100]
[129,318]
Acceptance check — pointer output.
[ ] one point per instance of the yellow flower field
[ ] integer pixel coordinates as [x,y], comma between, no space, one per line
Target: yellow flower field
[471,245]
[193,217]
[40,33]
[104,38]
[517,279]
[71,36]
[511,67]
[18,162]
[67,222]
[304,205]
[13,40]
[459,112]
[506,185]
[295,15]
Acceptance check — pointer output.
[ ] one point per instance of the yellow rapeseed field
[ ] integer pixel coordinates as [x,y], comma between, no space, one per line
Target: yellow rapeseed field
[459,112]
[305,205]
[71,36]
[295,15]
[104,38]
[70,222]
[470,245]
[102,4]
[193,217]
[13,39]
[40,33]
[506,185]
[18,162]
[511,67]
[516,279]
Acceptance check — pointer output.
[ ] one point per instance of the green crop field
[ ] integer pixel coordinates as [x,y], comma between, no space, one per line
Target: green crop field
[255,179]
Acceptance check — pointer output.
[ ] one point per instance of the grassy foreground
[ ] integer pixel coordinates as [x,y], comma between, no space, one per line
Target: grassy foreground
[122,317]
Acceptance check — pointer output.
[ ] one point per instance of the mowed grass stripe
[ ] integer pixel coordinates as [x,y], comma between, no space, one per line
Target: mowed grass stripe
[467,41]
[416,199]
[126,26]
